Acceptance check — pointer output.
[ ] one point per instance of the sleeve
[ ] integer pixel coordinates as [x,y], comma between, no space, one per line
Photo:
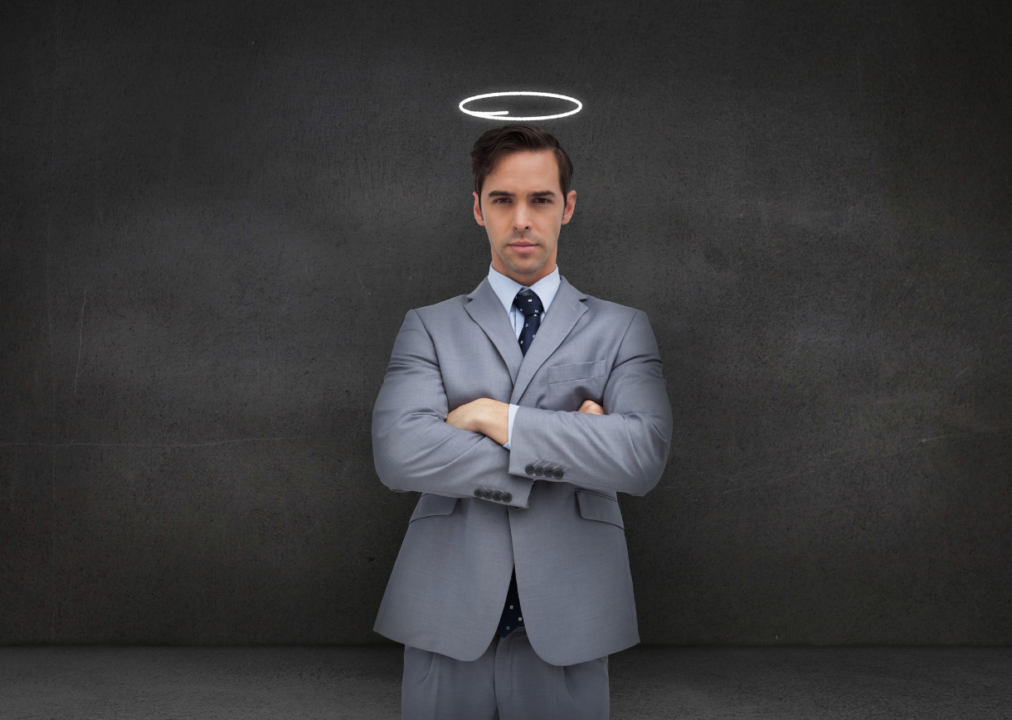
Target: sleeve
[509,424]
[625,450]
[414,449]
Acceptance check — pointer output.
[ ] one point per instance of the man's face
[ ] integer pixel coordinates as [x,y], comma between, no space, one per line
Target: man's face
[522,209]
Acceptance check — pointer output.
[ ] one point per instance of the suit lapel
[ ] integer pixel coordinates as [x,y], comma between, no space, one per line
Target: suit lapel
[565,311]
[486,310]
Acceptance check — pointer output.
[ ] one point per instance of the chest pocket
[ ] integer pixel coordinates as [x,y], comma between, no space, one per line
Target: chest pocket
[570,384]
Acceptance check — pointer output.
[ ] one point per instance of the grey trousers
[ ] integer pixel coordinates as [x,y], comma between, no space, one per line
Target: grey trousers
[508,682]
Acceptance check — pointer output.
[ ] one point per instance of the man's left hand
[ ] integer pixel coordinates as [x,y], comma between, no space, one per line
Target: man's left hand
[590,407]
[484,415]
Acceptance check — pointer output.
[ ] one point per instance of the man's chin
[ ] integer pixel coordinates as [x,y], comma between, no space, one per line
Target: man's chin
[531,267]
[526,262]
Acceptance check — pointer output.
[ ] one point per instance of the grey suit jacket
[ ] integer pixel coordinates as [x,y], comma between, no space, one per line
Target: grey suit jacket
[548,505]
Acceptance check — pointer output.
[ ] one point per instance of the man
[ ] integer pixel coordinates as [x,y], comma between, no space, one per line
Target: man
[518,411]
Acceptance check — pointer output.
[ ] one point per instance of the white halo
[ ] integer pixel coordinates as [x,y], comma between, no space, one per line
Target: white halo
[498,114]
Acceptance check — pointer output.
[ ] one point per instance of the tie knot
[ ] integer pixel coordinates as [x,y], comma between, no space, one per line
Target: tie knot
[528,302]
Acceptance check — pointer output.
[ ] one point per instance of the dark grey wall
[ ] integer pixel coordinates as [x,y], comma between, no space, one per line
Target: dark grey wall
[213,217]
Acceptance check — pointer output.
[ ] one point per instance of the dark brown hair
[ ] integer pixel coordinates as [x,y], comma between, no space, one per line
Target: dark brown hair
[499,142]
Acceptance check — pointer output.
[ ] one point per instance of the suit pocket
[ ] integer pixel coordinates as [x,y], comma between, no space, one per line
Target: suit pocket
[430,504]
[603,508]
[572,372]
[569,385]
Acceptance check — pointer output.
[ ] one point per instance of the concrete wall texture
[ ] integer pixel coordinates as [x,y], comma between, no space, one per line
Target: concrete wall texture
[214,215]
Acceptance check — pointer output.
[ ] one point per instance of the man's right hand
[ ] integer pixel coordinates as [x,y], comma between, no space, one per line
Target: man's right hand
[591,407]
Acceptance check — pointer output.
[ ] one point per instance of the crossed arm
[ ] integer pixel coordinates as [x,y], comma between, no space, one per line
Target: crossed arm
[619,445]
[491,417]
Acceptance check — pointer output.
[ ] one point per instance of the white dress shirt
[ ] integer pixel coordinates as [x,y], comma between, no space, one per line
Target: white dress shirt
[506,289]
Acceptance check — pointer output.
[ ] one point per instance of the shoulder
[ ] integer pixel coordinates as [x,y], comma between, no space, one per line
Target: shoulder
[440,310]
[596,307]
[611,313]
[617,320]
[609,309]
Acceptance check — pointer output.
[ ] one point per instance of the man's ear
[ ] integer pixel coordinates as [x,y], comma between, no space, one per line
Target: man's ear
[478,217]
[570,206]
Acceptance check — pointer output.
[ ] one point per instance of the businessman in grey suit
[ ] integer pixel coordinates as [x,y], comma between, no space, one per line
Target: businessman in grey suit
[518,412]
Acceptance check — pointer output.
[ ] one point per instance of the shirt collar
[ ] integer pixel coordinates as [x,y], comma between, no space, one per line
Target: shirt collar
[506,288]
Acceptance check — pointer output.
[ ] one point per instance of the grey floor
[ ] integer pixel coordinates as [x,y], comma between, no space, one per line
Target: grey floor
[364,682]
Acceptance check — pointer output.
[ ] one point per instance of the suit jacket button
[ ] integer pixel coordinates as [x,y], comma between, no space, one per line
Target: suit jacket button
[506,497]
[529,469]
[539,471]
[558,474]
[497,496]
[478,493]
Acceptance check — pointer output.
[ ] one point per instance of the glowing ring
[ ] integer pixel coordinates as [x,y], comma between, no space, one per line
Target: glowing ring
[497,114]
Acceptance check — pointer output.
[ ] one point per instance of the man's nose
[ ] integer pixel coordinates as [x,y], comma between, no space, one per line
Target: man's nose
[520,219]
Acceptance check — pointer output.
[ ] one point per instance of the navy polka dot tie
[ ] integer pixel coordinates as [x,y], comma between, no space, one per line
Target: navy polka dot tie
[527,302]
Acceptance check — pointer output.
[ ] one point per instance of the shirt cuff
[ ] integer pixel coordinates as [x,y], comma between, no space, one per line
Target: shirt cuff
[509,425]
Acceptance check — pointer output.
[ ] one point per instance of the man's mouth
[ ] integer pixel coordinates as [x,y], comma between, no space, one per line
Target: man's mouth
[523,247]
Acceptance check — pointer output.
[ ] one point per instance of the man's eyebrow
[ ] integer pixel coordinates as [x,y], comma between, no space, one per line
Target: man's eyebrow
[503,193]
